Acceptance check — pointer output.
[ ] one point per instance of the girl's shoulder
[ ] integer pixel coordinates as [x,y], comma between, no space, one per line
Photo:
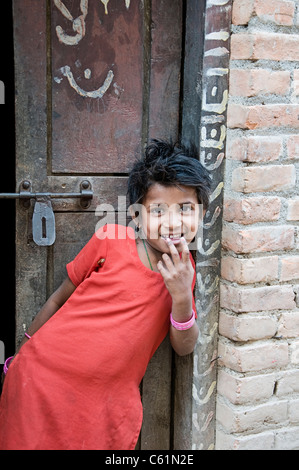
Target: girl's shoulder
[109,241]
[115,233]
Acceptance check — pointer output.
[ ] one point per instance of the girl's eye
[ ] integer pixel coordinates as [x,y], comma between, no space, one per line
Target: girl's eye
[186,208]
[157,210]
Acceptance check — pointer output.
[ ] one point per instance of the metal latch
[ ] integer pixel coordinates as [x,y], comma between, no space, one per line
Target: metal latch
[43,220]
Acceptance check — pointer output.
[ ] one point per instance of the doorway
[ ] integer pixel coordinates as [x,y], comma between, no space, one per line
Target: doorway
[95,81]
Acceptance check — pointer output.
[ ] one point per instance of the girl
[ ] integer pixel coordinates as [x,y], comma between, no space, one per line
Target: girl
[74,384]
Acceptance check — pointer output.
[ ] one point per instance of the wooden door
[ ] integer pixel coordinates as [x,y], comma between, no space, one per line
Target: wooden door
[95,79]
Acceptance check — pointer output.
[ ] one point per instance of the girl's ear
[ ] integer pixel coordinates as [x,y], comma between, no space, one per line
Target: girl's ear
[134,213]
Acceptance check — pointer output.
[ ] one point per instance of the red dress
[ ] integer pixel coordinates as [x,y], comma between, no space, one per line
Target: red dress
[75,383]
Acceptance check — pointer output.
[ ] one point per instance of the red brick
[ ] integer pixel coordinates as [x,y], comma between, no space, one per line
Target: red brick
[242,11]
[287,438]
[274,11]
[293,146]
[247,328]
[263,116]
[258,239]
[251,210]
[236,149]
[289,326]
[249,271]
[255,148]
[259,441]
[253,357]
[237,115]
[242,46]
[296,82]
[289,268]
[294,411]
[236,419]
[294,350]
[264,178]
[288,383]
[256,82]
[242,390]
[267,46]
[243,300]
[293,209]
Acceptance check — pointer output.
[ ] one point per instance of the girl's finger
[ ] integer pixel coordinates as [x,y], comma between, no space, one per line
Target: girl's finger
[185,251]
[163,271]
[168,262]
[173,251]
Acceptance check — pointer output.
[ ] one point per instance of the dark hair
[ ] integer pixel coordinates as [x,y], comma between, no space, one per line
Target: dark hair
[169,164]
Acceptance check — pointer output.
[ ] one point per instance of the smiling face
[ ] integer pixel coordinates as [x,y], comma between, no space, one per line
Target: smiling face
[169,211]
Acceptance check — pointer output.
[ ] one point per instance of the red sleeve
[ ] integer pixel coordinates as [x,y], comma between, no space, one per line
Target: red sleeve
[88,258]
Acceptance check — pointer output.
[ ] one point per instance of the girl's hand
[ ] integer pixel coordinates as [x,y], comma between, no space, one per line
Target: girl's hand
[177,273]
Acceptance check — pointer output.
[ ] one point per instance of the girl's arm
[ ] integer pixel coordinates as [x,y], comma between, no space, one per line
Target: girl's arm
[183,342]
[54,302]
[178,275]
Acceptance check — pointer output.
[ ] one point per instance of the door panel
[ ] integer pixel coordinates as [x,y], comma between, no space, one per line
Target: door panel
[94,81]
[165,68]
[97,85]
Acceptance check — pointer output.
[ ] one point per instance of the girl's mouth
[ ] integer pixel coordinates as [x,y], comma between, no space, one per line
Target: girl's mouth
[176,239]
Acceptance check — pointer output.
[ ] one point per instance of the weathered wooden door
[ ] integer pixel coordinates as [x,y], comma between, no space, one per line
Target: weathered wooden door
[95,79]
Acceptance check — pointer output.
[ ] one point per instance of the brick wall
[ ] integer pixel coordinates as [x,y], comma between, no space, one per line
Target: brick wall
[258,378]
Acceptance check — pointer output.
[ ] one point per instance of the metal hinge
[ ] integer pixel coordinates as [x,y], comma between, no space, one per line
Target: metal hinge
[43,220]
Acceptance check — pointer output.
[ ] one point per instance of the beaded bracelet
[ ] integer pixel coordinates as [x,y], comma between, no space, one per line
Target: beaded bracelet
[183,326]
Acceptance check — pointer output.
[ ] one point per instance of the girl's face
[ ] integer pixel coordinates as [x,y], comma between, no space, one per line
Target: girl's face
[169,211]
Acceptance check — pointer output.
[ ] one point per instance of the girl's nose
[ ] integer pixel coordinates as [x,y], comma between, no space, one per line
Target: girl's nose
[173,221]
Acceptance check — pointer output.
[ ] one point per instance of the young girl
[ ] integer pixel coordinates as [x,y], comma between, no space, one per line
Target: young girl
[74,384]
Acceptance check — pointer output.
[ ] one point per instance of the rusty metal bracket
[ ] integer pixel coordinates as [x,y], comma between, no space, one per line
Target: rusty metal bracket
[25,193]
[43,220]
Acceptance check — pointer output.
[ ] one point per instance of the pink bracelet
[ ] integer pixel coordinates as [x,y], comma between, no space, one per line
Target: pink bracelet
[183,326]
[27,336]
[6,364]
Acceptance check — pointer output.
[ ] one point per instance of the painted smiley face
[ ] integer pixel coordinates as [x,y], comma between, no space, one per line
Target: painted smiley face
[79,27]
